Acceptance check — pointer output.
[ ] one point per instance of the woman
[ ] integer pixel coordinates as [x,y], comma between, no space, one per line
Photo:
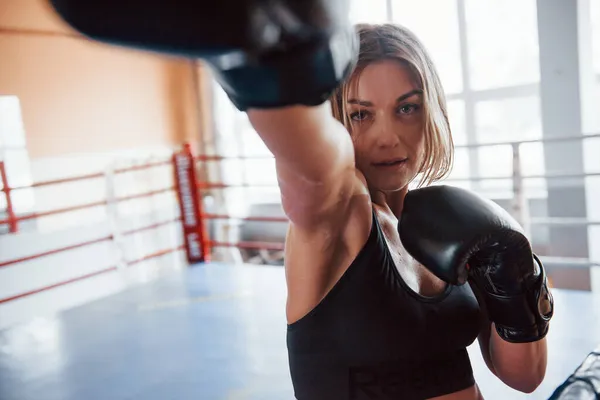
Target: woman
[359,306]
[366,320]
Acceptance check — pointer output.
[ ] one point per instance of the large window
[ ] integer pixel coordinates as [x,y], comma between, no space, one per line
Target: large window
[502,43]
[456,115]
[595,19]
[436,24]
[13,152]
[487,56]
[591,148]
[252,165]
[486,53]
[369,11]
[501,47]
[508,119]
[594,126]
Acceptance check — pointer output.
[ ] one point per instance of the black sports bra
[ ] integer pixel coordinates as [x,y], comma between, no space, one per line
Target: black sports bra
[372,337]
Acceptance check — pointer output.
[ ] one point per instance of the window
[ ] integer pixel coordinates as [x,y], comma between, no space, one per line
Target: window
[591,147]
[533,163]
[532,158]
[438,30]
[13,152]
[12,133]
[502,43]
[590,150]
[368,11]
[595,18]
[255,166]
[460,169]
[498,161]
[505,120]
[508,119]
[591,118]
[495,162]
[456,115]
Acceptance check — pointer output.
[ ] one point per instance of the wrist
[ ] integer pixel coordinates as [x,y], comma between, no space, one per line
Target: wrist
[524,317]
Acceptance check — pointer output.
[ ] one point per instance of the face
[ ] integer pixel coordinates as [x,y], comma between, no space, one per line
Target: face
[385,109]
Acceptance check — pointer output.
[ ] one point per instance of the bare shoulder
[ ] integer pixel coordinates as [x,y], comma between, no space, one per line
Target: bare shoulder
[318,256]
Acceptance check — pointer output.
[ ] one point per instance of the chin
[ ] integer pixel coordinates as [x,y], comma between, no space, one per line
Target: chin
[394,189]
[391,185]
[389,182]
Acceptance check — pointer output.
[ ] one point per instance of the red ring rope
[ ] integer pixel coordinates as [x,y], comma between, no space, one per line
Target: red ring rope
[13,219]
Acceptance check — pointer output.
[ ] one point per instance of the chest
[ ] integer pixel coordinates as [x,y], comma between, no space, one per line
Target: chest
[416,276]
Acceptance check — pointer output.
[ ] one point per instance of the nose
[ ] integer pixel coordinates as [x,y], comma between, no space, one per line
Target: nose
[386,133]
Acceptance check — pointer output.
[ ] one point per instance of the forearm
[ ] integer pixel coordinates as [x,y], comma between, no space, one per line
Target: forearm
[521,366]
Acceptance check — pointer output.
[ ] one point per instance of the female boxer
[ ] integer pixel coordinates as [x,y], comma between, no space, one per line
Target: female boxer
[378,305]
[365,319]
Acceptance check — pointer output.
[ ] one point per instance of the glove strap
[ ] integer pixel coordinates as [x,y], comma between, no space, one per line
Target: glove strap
[523,318]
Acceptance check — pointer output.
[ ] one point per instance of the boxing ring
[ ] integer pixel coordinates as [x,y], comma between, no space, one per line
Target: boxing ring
[28,246]
[215,330]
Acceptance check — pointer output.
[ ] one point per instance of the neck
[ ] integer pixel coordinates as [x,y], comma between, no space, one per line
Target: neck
[394,201]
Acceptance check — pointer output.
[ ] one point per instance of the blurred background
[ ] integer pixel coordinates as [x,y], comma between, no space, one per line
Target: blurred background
[89,204]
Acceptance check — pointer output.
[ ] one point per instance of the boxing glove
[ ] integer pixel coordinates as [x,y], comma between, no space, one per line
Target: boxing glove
[460,237]
[265,54]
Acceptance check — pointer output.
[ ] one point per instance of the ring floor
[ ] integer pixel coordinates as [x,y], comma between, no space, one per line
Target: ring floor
[214,332]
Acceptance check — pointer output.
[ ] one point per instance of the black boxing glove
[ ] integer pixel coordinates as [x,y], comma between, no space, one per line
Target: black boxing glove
[304,73]
[461,236]
[265,54]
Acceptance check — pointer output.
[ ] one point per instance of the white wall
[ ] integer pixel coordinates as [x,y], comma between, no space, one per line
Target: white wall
[68,229]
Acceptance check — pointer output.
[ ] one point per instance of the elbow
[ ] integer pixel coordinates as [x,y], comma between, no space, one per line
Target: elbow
[522,366]
[528,386]
[528,383]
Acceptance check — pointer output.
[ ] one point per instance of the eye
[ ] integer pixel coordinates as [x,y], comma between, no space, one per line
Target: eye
[408,109]
[359,115]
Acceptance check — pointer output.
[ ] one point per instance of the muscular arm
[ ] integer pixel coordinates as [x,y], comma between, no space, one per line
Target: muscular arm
[522,366]
[314,157]
[308,140]
[319,186]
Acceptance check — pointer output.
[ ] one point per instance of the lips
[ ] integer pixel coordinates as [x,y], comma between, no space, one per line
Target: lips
[391,162]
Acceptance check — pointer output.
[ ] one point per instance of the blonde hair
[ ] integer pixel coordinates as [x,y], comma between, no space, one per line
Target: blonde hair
[394,42]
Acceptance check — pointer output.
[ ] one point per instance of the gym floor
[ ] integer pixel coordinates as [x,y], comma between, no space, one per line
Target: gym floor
[215,332]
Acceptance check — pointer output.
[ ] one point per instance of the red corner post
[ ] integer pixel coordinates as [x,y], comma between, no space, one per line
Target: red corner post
[12,218]
[190,206]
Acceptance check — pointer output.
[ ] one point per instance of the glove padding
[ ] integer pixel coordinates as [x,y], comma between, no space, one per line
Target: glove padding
[204,28]
[460,237]
[265,54]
